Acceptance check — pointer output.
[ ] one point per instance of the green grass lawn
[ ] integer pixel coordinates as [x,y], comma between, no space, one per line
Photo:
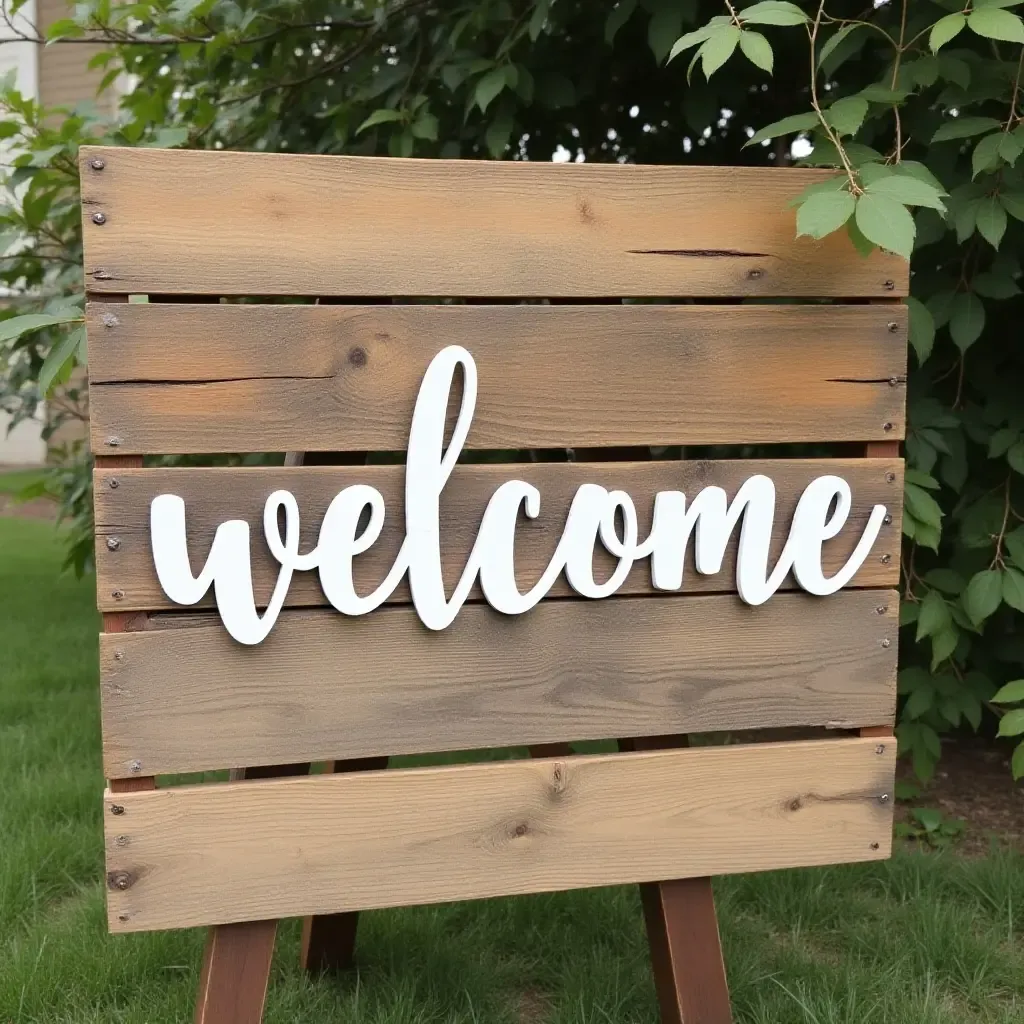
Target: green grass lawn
[13,481]
[925,939]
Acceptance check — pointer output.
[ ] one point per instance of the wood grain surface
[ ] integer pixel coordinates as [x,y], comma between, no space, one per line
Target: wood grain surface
[186,221]
[323,686]
[124,562]
[176,378]
[193,855]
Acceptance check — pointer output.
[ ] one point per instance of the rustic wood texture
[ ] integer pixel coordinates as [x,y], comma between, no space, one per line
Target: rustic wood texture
[179,378]
[213,495]
[321,684]
[235,973]
[328,843]
[255,224]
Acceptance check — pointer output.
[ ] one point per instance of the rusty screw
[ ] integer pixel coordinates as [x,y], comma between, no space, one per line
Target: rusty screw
[119,880]
[99,218]
[113,543]
[97,164]
[874,846]
[887,427]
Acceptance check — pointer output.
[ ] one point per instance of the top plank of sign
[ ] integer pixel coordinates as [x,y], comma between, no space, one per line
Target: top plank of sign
[194,222]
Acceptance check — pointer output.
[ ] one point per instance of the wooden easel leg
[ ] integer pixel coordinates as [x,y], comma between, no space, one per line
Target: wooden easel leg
[686,954]
[682,930]
[236,970]
[329,940]
[236,961]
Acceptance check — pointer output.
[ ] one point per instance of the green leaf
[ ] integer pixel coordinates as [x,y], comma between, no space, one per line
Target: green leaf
[847,115]
[983,595]
[664,27]
[65,28]
[793,123]
[991,220]
[1015,457]
[986,154]
[1010,147]
[685,42]
[425,127]
[993,23]
[886,222]
[919,702]
[757,50]
[922,506]
[967,320]
[539,19]
[718,48]
[58,356]
[934,616]
[922,329]
[1017,761]
[1013,203]
[943,644]
[908,190]
[964,128]
[1013,588]
[946,580]
[878,93]
[1012,723]
[774,12]
[1002,441]
[488,87]
[619,16]
[16,326]
[823,213]
[1011,693]
[945,29]
[1014,544]
[382,116]
[496,136]
[834,40]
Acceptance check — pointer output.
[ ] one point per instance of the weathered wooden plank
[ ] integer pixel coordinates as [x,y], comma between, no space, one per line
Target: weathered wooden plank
[259,224]
[192,855]
[188,378]
[190,699]
[124,563]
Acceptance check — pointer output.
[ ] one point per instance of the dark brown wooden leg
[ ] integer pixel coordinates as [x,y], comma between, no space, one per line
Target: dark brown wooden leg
[237,958]
[682,929]
[329,940]
[236,970]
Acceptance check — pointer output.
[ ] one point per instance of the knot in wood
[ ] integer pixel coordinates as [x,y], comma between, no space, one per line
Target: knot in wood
[357,357]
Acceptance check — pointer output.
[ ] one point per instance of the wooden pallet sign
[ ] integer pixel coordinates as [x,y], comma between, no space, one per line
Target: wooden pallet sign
[519,509]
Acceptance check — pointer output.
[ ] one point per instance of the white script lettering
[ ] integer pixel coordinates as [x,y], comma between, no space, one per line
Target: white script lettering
[593,516]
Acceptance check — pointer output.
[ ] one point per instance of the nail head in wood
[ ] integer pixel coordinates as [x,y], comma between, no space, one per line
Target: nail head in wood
[889,285]
[118,655]
[883,798]
[114,482]
[874,846]
[887,427]
[113,543]
[119,880]
[893,326]
[97,164]
[109,320]
[755,274]
[117,595]
[886,642]
[135,767]
[116,809]
[887,519]
[880,749]
[113,442]
[893,381]
[99,218]
[885,559]
[890,478]
[881,609]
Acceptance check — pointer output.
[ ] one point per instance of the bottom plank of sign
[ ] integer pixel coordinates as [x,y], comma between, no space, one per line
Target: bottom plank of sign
[217,853]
